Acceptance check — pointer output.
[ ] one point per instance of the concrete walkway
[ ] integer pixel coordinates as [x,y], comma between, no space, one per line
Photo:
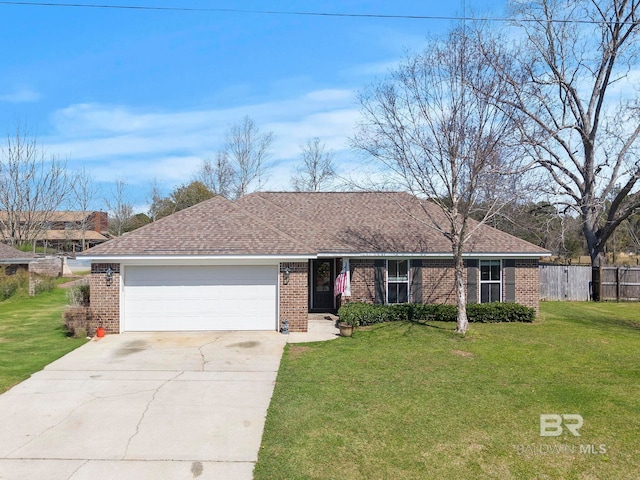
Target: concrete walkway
[143,406]
[321,327]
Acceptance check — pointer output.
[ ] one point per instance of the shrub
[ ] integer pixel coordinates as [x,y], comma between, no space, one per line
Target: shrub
[78,295]
[499,312]
[8,289]
[359,313]
[76,320]
[43,283]
[11,284]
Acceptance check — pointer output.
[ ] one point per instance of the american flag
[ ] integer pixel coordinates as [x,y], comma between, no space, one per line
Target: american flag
[343,284]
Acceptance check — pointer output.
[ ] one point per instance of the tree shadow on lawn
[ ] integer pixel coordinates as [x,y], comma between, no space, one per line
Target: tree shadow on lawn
[595,319]
[410,326]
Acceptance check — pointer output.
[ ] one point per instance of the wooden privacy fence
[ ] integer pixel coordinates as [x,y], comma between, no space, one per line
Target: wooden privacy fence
[576,282]
[616,283]
[565,282]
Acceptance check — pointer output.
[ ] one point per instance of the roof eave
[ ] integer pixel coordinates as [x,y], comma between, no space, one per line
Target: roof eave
[434,254]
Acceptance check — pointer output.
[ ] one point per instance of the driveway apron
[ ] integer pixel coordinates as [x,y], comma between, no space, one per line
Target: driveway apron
[143,406]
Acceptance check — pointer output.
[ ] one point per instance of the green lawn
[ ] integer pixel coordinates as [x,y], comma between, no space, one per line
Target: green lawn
[400,400]
[31,335]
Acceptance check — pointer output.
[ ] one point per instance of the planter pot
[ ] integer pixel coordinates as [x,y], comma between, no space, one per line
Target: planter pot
[100,332]
[346,330]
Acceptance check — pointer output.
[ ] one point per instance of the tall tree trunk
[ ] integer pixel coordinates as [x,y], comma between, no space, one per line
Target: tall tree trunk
[595,245]
[462,322]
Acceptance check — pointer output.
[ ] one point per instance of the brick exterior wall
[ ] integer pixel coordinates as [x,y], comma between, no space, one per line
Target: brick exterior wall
[49,266]
[438,284]
[294,296]
[528,283]
[43,267]
[362,281]
[105,299]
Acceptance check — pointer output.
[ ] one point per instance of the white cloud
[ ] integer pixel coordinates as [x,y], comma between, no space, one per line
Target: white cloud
[119,141]
[21,95]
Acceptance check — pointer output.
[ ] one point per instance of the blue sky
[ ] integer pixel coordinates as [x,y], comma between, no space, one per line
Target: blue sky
[142,95]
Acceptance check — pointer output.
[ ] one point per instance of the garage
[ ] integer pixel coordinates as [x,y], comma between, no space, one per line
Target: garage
[186,298]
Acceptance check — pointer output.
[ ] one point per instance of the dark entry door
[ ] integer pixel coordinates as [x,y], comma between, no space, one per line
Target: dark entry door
[322,285]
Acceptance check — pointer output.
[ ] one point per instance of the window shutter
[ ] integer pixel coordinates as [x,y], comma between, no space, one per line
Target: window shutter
[510,280]
[416,281]
[379,271]
[472,281]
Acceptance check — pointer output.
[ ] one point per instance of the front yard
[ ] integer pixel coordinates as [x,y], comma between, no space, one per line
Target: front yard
[402,400]
[32,335]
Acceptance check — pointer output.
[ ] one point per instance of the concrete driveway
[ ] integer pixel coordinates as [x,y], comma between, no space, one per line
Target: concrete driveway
[143,406]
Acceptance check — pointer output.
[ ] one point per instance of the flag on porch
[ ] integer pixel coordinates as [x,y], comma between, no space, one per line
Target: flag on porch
[343,281]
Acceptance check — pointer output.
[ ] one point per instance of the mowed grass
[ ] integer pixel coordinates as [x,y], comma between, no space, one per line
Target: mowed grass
[32,335]
[417,401]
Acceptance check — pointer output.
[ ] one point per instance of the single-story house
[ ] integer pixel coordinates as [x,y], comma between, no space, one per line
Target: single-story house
[267,257]
[12,259]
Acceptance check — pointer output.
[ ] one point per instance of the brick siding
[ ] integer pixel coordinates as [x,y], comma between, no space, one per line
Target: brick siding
[294,296]
[362,281]
[49,266]
[438,285]
[528,283]
[105,299]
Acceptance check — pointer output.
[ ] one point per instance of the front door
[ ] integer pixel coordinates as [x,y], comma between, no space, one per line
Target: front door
[322,298]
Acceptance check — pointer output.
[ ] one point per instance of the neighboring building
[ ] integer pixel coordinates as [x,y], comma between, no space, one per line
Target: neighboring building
[11,259]
[249,264]
[66,230]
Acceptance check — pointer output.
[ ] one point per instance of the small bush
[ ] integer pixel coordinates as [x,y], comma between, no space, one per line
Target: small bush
[359,313]
[43,283]
[78,296]
[499,312]
[362,314]
[10,285]
[76,320]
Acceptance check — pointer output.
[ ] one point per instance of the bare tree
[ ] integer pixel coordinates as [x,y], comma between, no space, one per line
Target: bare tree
[568,78]
[317,170]
[217,176]
[240,167]
[32,187]
[120,211]
[155,199]
[84,193]
[246,151]
[431,124]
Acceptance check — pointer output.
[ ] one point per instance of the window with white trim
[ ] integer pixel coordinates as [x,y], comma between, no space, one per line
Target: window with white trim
[397,281]
[490,281]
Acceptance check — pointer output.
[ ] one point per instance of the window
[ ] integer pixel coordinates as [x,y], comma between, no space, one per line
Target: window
[397,281]
[490,281]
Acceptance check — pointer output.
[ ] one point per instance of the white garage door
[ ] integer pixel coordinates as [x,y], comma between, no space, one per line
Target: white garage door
[200,298]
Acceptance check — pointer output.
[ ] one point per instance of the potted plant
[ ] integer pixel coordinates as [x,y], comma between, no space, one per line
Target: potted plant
[347,326]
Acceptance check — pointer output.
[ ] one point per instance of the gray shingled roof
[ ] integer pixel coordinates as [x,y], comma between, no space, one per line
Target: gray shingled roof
[288,223]
[10,253]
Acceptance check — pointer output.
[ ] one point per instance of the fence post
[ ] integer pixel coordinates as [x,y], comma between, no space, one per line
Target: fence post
[618,284]
[596,283]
